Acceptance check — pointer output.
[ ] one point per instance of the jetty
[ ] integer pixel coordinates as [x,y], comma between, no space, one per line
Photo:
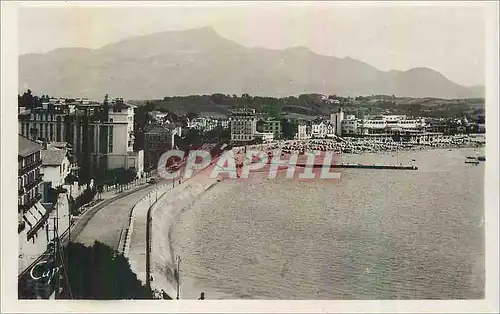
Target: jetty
[363,166]
[390,167]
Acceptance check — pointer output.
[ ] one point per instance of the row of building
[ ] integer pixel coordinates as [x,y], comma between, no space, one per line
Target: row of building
[100,135]
[244,126]
[59,138]
[41,167]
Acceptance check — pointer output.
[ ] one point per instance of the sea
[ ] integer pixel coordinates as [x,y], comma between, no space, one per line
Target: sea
[370,235]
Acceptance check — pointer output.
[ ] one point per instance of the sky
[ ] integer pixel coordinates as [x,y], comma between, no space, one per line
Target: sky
[449,38]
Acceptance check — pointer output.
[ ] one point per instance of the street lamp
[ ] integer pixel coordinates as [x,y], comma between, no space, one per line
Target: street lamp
[178,275]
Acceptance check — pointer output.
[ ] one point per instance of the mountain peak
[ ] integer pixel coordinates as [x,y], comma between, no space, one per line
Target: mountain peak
[200,61]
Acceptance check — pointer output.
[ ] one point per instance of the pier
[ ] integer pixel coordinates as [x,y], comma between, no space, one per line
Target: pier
[361,166]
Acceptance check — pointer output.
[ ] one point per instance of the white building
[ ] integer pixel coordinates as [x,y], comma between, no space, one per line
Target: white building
[207,124]
[107,127]
[330,130]
[224,123]
[384,124]
[350,125]
[159,116]
[265,136]
[120,153]
[303,132]
[318,130]
[55,168]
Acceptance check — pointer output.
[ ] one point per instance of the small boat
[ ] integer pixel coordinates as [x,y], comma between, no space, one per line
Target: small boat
[475,162]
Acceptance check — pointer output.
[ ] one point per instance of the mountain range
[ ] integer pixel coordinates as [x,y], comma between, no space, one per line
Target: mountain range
[200,61]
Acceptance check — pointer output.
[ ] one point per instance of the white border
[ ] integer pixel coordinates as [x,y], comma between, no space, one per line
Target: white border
[8,200]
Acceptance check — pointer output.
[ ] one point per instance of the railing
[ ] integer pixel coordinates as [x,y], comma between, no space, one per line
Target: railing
[31,202]
[29,167]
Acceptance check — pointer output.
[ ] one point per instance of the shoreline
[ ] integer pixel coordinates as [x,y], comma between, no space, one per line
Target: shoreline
[164,215]
[171,209]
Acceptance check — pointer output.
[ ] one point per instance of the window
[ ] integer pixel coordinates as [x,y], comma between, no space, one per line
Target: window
[111,120]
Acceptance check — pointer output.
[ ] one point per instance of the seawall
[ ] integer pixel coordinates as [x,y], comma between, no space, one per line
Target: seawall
[164,215]
[134,246]
[163,212]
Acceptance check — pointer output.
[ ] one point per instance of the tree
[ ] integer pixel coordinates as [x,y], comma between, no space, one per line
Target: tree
[100,273]
[191,115]
[27,99]
[260,125]
[273,110]
[289,129]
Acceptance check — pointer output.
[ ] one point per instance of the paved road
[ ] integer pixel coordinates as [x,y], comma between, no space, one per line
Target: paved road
[107,224]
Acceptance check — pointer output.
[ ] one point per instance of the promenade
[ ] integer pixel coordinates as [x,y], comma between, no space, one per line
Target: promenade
[163,215]
[106,221]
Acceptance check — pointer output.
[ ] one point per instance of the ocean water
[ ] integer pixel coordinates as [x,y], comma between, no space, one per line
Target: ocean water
[372,234]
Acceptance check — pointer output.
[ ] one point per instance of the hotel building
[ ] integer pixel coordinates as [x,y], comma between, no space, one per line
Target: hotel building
[101,135]
[243,125]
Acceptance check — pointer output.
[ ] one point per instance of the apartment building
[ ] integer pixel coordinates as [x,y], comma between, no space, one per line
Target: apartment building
[303,132]
[101,134]
[157,141]
[243,124]
[32,216]
[273,126]
[336,120]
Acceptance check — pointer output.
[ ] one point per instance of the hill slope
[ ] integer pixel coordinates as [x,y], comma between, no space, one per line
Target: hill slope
[200,61]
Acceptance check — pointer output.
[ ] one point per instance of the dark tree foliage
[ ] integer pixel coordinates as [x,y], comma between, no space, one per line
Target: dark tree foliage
[141,120]
[316,105]
[27,100]
[100,273]
[260,125]
[218,134]
[118,176]
[54,192]
[289,129]
[191,115]
[86,197]
[193,137]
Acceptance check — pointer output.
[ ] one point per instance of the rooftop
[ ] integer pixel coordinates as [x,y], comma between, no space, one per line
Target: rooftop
[159,130]
[53,157]
[27,146]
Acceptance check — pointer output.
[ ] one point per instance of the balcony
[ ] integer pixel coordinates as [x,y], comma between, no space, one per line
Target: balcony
[32,184]
[29,167]
[30,203]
